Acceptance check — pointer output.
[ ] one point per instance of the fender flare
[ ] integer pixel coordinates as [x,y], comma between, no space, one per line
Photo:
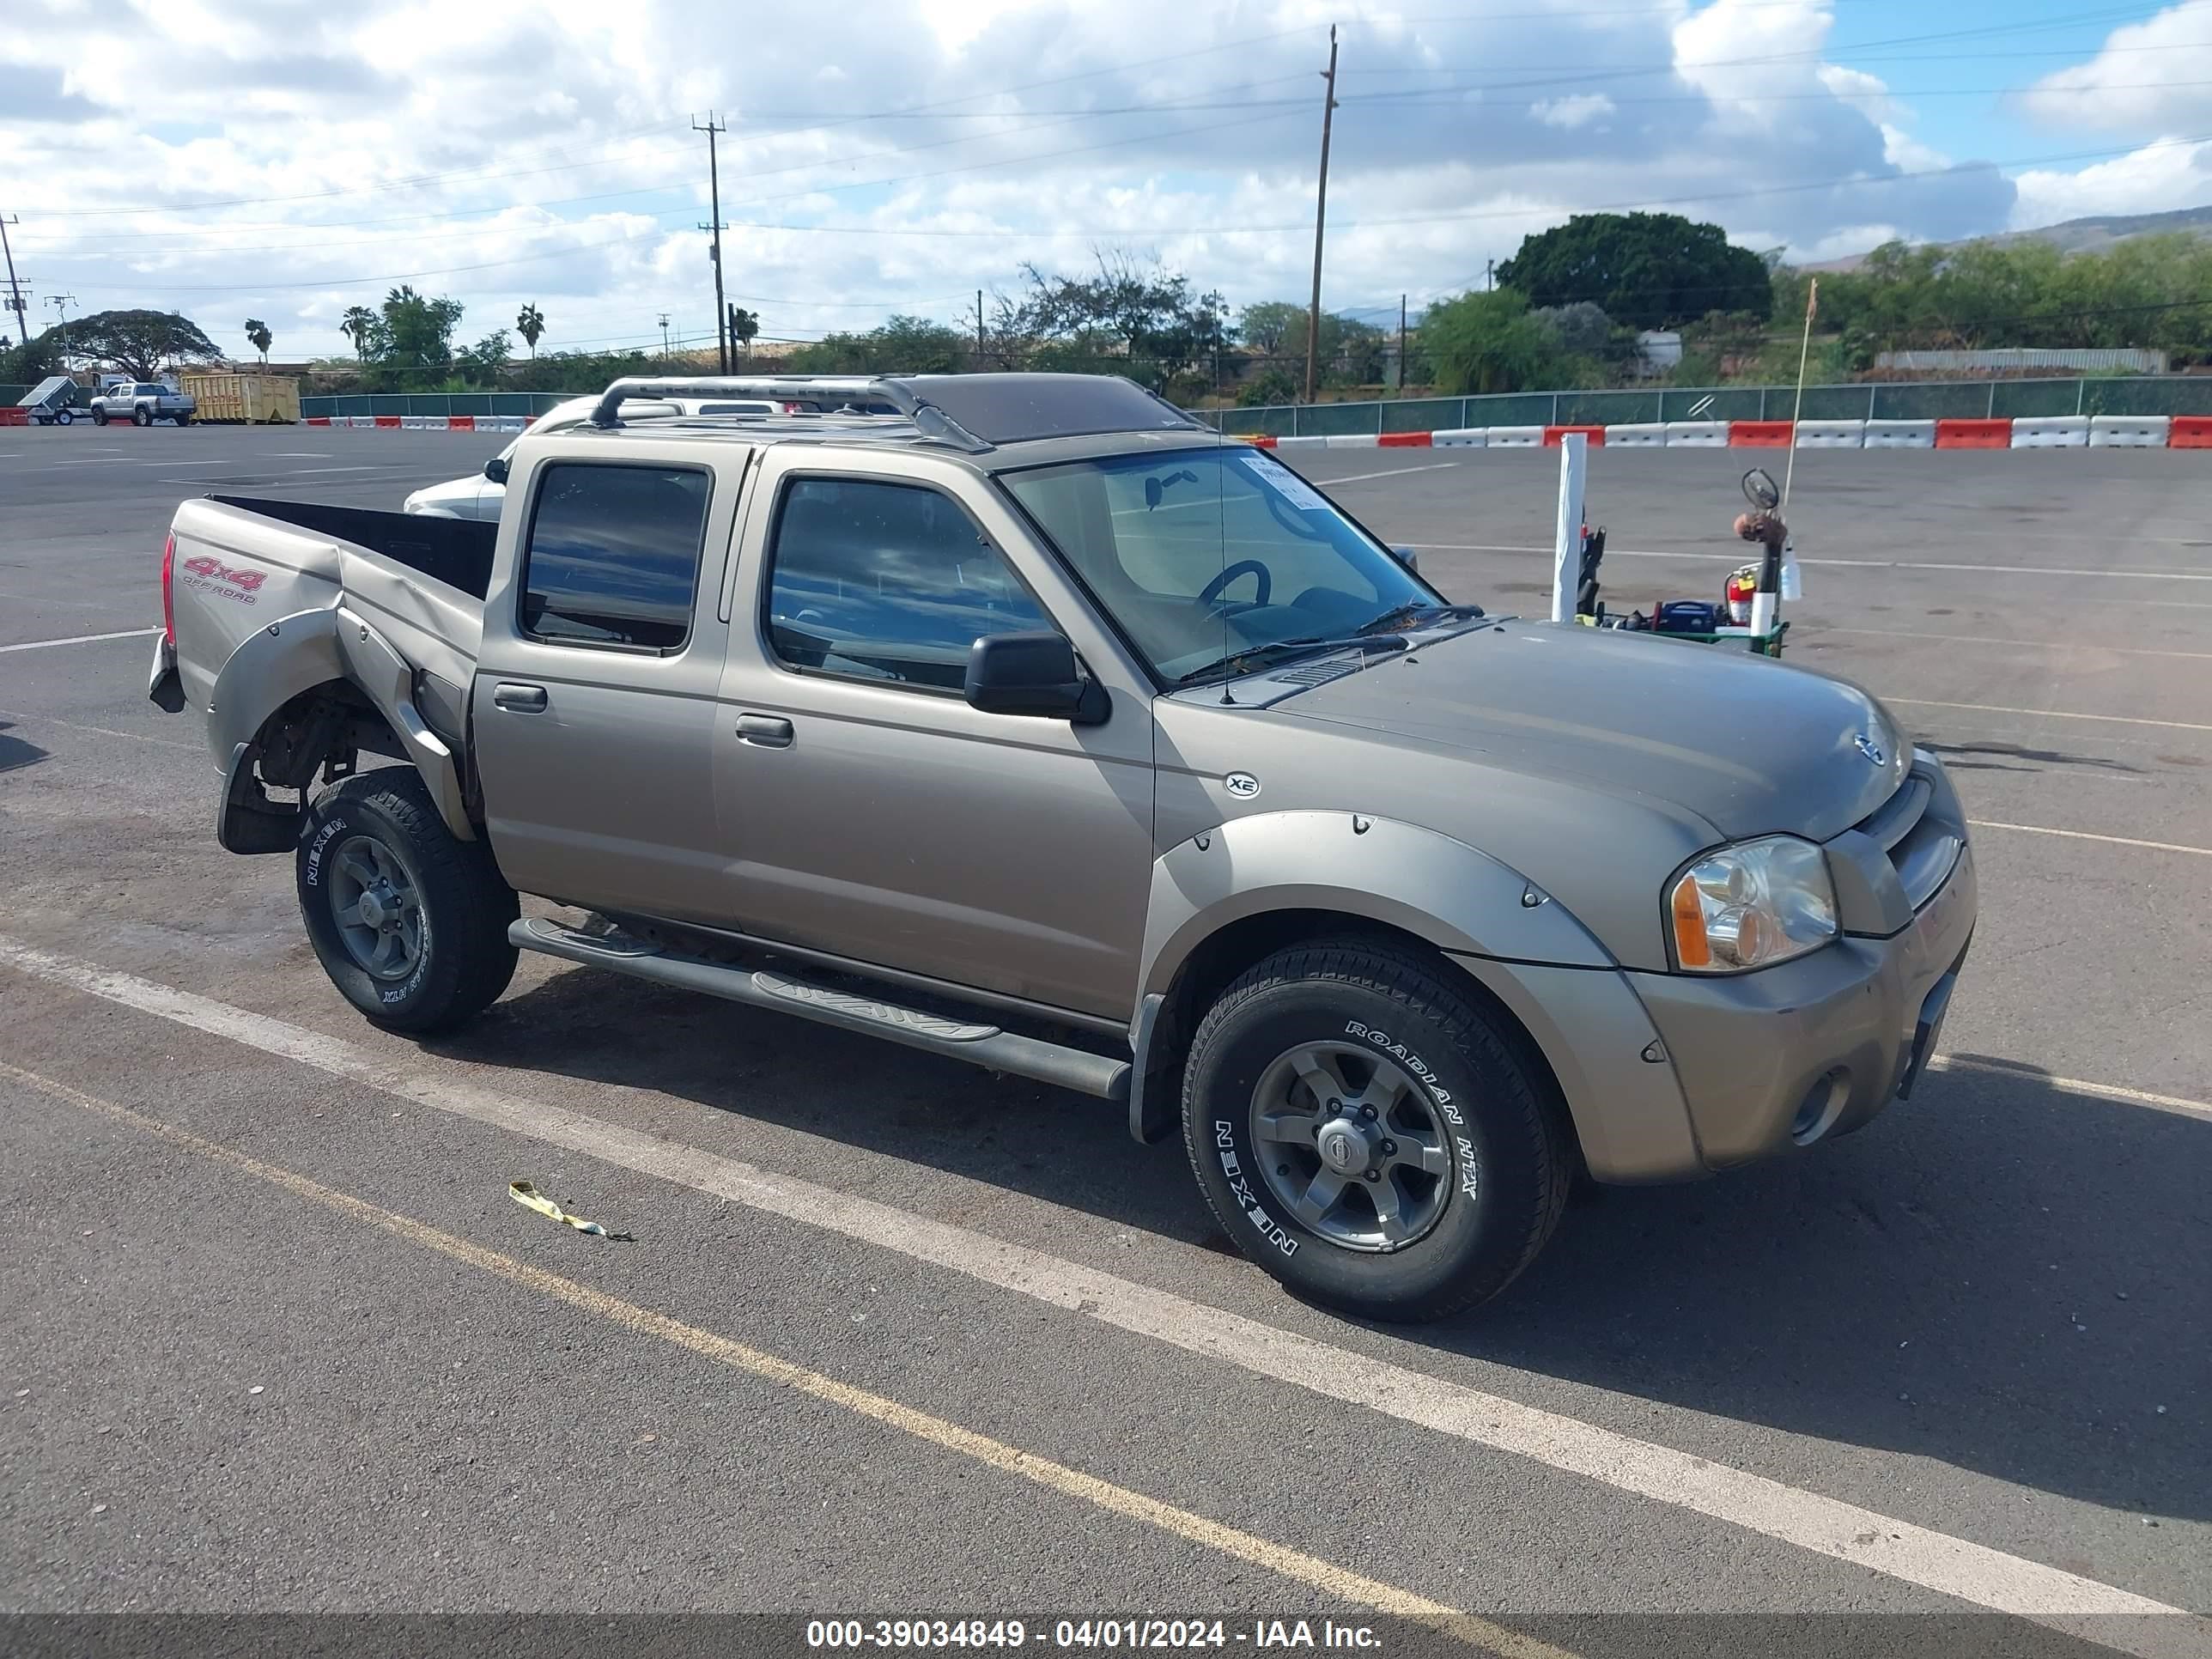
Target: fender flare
[1457,897]
[1522,946]
[309,649]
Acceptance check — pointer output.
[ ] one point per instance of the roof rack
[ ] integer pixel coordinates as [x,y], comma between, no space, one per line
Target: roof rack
[809,388]
[970,412]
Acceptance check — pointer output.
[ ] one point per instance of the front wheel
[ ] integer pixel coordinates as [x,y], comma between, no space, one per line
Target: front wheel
[409,921]
[99,417]
[1370,1136]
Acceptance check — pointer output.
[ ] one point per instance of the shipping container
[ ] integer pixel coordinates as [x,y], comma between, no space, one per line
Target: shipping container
[258,400]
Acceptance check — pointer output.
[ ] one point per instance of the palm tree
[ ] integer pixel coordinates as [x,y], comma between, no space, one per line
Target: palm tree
[359,322]
[257,332]
[530,323]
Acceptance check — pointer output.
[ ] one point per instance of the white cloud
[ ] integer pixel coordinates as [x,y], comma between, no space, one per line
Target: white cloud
[2153,179]
[1570,112]
[542,151]
[2138,82]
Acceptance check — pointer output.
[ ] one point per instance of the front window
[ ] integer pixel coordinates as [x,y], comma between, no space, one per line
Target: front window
[1203,556]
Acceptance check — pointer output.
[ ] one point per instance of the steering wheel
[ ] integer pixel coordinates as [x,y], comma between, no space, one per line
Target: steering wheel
[1210,594]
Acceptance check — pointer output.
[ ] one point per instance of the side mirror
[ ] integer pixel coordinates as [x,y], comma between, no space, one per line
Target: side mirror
[496,469]
[1031,674]
[1407,556]
[1758,489]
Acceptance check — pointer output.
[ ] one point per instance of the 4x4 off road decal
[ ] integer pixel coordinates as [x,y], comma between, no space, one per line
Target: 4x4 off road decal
[220,580]
[1225,1143]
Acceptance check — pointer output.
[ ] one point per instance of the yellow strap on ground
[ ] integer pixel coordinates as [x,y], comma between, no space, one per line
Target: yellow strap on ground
[525,1193]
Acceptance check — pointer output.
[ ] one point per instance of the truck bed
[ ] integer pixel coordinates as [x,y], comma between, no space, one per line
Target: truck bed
[455,551]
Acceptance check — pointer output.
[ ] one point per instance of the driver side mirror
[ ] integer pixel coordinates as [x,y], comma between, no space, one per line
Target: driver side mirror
[1034,673]
[496,469]
[1407,556]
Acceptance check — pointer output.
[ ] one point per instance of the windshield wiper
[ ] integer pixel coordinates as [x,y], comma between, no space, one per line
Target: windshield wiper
[1420,609]
[1278,651]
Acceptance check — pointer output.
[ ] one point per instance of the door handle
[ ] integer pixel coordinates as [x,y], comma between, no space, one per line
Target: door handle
[764,731]
[521,699]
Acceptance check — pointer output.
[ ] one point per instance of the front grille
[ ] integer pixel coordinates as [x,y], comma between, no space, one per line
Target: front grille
[1922,849]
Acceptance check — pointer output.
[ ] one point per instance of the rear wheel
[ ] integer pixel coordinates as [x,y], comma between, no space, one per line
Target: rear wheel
[1365,1133]
[141,416]
[64,416]
[409,922]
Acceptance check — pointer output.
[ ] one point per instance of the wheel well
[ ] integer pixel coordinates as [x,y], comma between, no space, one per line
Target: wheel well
[321,730]
[1219,959]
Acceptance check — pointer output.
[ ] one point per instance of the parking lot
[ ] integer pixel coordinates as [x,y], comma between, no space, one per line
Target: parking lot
[898,1338]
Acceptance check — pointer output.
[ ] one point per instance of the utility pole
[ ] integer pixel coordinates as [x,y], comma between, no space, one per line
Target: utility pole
[1489,275]
[15,293]
[715,197]
[1404,374]
[663,338]
[61,303]
[1320,216]
[979,329]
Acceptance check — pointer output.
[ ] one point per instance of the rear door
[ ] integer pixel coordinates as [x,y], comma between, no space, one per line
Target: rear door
[869,811]
[594,703]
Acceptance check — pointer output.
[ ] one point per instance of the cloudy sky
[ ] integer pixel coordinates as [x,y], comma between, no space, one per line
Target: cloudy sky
[267,158]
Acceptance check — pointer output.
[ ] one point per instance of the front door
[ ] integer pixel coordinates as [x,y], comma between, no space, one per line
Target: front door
[868,809]
[594,703]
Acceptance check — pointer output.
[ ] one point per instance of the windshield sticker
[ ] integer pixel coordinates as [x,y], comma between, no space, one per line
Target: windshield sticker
[1286,483]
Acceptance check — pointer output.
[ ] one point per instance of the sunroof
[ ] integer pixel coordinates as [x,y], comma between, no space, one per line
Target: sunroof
[1002,408]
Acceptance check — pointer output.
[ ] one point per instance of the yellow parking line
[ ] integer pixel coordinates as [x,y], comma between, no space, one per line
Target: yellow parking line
[1323,1576]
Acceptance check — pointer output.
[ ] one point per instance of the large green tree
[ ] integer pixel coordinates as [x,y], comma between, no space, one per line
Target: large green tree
[1489,343]
[909,345]
[1651,269]
[1129,316]
[139,343]
[415,331]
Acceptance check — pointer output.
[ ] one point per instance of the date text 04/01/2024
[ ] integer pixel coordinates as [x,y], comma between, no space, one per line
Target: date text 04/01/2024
[1089,1634]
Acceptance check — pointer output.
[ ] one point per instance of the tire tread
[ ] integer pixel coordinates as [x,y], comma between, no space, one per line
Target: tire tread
[1390,970]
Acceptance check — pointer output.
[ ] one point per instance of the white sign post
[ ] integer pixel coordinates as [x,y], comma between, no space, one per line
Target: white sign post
[1567,548]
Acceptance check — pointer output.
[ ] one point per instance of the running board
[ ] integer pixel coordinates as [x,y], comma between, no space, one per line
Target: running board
[978,1044]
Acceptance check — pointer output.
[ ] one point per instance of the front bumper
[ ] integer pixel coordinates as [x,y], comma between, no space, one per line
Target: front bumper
[1793,1054]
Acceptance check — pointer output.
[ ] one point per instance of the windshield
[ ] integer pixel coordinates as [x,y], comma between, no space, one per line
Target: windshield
[1203,556]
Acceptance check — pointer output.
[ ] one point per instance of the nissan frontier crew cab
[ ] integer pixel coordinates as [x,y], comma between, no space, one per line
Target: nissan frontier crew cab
[1037,725]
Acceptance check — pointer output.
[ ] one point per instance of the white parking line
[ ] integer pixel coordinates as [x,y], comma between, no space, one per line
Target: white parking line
[1972,1572]
[1393,472]
[1985,639]
[80,639]
[2173,1103]
[2049,713]
[103,731]
[2084,835]
[304,454]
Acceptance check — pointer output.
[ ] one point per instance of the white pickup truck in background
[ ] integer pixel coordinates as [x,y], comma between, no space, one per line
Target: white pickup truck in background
[142,403]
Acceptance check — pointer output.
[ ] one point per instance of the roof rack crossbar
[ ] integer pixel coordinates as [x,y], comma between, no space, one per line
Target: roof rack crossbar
[930,421]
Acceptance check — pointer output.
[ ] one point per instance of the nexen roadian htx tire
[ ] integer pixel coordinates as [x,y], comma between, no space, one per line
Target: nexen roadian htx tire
[374,850]
[1453,1078]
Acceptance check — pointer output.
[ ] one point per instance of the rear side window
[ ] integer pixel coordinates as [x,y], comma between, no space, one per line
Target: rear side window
[613,555]
[886,581]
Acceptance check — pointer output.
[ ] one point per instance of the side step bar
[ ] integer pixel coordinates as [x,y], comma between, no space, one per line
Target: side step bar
[978,1044]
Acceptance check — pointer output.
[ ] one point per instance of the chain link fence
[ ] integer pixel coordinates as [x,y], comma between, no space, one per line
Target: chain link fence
[2134,394]
[1871,401]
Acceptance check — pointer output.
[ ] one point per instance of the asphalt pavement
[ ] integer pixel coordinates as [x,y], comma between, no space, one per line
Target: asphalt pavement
[898,1339]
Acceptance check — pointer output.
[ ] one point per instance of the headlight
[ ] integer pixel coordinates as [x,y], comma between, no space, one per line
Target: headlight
[1749,905]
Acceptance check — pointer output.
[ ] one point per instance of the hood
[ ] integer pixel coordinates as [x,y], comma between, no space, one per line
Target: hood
[1749,745]
[453,496]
